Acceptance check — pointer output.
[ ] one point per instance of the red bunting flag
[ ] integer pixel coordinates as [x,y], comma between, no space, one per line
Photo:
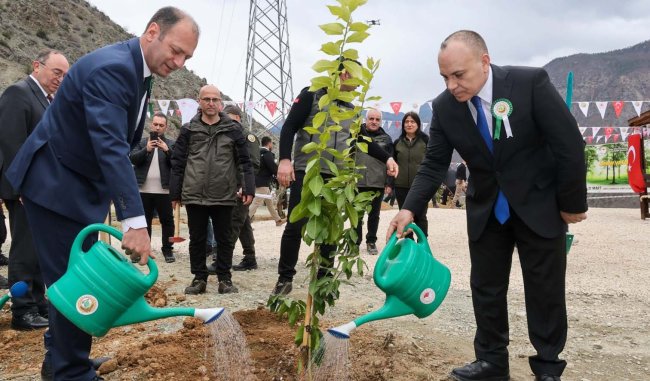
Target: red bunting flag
[271,105]
[634,162]
[615,136]
[396,106]
[618,107]
[608,132]
[589,139]
[398,124]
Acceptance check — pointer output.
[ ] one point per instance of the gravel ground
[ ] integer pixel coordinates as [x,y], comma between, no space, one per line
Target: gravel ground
[607,293]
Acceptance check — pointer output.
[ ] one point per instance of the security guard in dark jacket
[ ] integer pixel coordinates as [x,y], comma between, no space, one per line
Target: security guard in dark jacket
[153,180]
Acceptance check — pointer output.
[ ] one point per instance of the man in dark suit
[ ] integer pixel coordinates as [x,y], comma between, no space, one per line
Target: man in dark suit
[21,107]
[77,160]
[528,183]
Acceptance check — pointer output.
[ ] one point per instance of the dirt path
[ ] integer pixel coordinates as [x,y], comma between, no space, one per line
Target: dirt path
[607,296]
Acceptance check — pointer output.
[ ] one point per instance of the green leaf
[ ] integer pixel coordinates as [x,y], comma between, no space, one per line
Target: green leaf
[333,29]
[373,98]
[313,227]
[357,37]
[346,96]
[353,82]
[349,192]
[363,147]
[318,120]
[353,68]
[309,147]
[334,153]
[315,185]
[359,26]
[315,206]
[327,193]
[352,54]
[352,213]
[370,63]
[340,201]
[323,101]
[331,48]
[324,65]
[320,82]
[311,130]
[342,12]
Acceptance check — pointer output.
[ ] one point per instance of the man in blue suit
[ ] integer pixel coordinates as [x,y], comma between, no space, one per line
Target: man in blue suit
[76,161]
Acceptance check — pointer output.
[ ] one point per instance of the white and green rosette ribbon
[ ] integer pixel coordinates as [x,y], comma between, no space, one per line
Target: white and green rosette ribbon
[501,110]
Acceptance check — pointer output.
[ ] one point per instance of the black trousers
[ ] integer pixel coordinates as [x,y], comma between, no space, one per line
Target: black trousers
[3,228]
[543,264]
[163,205]
[68,347]
[243,231]
[197,221]
[292,236]
[420,218]
[23,263]
[373,216]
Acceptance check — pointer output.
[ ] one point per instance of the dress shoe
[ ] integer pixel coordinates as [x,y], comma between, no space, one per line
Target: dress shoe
[547,377]
[372,248]
[169,257]
[226,287]
[282,287]
[4,283]
[198,286]
[28,322]
[245,265]
[46,371]
[480,370]
[4,261]
[97,362]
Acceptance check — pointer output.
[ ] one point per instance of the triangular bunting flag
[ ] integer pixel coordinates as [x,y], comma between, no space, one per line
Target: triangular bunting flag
[618,107]
[595,131]
[615,136]
[171,112]
[584,107]
[589,139]
[608,132]
[250,106]
[396,106]
[271,105]
[602,106]
[187,108]
[637,107]
[164,105]
[582,130]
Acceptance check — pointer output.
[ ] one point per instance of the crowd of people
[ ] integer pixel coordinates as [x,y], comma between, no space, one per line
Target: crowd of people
[64,159]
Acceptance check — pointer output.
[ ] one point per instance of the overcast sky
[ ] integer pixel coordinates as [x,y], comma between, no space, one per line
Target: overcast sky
[407,41]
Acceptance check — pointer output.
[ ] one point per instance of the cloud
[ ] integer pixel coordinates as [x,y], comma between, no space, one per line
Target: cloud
[407,41]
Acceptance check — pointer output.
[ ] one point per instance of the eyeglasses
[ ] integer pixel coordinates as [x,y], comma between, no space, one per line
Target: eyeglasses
[213,100]
[57,72]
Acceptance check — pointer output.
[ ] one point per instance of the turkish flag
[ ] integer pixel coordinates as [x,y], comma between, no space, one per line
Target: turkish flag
[271,105]
[634,162]
[618,107]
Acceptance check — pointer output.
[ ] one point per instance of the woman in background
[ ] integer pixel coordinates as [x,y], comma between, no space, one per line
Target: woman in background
[409,152]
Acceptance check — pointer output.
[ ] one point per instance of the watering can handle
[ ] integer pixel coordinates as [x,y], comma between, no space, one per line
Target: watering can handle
[422,239]
[76,251]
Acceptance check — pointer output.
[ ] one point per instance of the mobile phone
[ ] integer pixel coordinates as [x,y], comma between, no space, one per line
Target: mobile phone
[153,135]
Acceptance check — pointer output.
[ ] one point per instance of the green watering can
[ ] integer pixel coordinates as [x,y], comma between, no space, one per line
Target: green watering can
[102,289]
[413,280]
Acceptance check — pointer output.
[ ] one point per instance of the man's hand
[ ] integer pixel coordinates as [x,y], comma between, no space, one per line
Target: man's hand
[388,189]
[392,169]
[151,144]
[285,173]
[247,199]
[176,202]
[399,222]
[573,218]
[162,145]
[136,242]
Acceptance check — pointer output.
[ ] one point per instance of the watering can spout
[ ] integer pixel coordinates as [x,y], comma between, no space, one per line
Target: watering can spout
[392,308]
[141,311]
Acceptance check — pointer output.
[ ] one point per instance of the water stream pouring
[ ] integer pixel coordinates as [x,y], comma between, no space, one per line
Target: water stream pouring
[102,289]
[17,290]
[413,280]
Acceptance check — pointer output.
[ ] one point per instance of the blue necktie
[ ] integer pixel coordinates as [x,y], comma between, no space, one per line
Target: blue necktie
[501,208]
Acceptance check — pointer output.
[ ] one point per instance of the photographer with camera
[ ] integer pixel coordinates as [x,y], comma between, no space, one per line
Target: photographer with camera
[153,180]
